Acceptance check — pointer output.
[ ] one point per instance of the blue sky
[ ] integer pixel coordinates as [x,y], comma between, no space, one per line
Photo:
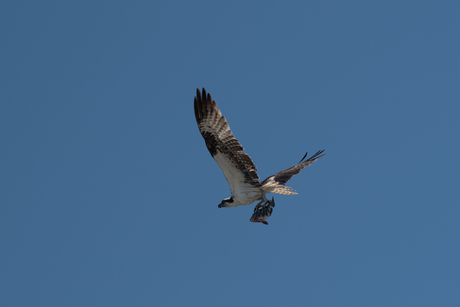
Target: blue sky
[108,196]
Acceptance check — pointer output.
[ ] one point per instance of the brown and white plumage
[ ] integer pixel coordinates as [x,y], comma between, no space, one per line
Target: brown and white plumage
[276,183]
[237,166]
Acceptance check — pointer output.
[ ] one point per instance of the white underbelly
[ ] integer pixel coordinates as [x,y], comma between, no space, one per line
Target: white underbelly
[247,196]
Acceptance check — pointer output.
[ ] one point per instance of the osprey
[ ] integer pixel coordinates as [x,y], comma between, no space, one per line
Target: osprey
[237,166]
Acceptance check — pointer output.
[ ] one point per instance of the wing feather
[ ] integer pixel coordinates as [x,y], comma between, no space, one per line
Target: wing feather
[236,165]
[277,181]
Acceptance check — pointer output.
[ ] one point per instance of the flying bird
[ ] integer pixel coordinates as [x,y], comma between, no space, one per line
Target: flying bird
[237,166]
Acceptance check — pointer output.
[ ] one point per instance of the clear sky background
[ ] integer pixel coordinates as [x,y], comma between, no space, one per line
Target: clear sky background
[108,195]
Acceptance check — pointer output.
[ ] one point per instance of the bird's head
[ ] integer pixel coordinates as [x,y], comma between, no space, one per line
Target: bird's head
[227,202]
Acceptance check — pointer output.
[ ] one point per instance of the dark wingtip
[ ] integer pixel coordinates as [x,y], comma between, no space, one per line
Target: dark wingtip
[196,105]
[303,157]
[319,154]
[203,91]
[201,94]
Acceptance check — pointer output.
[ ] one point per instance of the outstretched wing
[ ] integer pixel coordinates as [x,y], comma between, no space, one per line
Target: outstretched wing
[275,183]
[236,165]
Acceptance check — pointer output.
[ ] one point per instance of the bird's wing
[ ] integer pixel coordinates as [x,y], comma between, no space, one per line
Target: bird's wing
[282,177]
[237,166]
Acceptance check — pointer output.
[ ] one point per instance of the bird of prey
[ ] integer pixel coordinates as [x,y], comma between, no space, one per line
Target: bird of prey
[237,166]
